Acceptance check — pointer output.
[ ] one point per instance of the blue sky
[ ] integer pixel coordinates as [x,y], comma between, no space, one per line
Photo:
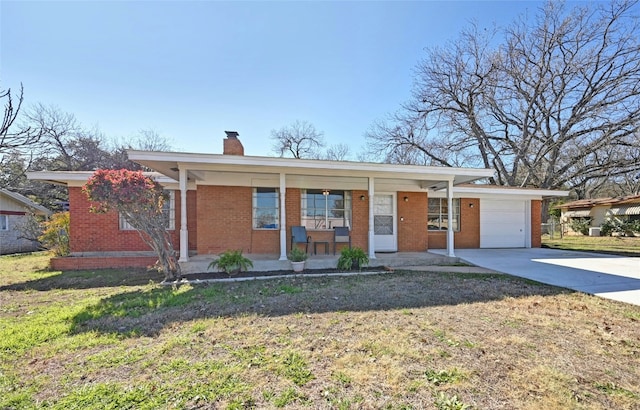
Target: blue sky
[193,69]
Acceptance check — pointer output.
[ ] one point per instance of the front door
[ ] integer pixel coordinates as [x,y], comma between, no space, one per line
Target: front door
[384,223]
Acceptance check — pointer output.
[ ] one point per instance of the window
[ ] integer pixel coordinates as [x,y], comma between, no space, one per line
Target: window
[437,217]
[168,211]
[324,209]
[266,213]
[4,222]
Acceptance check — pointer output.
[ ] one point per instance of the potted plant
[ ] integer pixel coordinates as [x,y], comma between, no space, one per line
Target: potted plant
[231,262]
[297,258]
[354,258]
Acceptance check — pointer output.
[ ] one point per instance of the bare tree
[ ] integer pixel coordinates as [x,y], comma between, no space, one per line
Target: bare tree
[11,139]
[146,139]
[299,140]
[65,144]
[555,104]
[338,152]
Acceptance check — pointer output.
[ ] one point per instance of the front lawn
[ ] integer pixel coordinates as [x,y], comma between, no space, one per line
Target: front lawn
[403,340]
[619,245]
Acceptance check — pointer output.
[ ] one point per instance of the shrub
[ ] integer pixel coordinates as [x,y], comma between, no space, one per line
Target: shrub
[352,258]
[56,234]
[231,262]
[297,255]
[580,225]
[620,227]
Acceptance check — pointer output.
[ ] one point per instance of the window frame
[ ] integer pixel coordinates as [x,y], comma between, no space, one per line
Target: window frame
[4,226]
[169,208]
[324,224]
[255,207]
[443,216]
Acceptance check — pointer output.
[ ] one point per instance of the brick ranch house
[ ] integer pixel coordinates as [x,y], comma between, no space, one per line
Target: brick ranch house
[232,201]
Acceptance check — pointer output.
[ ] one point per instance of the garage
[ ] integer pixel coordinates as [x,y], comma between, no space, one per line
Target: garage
[504,223]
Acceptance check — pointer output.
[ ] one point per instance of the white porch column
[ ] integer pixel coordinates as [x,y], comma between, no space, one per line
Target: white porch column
[450,250]
[372,252]
[184,232]
[527,225]
[283,218]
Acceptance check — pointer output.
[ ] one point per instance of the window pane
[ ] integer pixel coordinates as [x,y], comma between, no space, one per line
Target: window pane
[437,217]
[325,211]
[266,211]
[4,222]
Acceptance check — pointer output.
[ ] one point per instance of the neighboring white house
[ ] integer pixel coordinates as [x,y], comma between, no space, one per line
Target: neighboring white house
[598,210]
[14,209]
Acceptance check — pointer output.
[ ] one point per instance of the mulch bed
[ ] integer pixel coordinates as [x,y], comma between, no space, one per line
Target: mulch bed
[254,274]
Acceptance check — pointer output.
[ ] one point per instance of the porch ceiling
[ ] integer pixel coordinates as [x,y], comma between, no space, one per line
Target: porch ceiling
[215,168]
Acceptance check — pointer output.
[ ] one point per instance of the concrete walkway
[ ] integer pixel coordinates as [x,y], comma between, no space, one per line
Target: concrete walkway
[608,276]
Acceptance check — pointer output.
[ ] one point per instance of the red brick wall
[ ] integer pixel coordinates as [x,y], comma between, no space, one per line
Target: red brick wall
[412,222]
[91,232]
[224,216]
[536,221]
[469,234]
[360,221]
[71,263]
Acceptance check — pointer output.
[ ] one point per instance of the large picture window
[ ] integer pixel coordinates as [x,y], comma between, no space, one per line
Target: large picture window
[168,212]
[266,213]
[438,214]
[325,209]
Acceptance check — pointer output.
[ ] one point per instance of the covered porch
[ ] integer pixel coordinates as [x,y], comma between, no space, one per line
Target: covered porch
[270,262]
[221,187]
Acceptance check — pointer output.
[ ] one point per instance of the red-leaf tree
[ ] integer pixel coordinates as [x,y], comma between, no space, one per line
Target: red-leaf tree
[139,200]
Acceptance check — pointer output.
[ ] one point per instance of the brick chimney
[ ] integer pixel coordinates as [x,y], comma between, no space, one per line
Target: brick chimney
[232,145]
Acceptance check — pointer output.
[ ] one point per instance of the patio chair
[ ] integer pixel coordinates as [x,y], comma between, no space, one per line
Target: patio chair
[341,235]
[299,235]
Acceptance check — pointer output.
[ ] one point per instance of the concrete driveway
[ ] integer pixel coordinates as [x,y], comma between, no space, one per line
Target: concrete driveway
[608,276]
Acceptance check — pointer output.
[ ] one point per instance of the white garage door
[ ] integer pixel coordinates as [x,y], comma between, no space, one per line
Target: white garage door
[502,223]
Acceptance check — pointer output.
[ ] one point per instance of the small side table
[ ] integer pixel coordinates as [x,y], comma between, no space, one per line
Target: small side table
[326,247]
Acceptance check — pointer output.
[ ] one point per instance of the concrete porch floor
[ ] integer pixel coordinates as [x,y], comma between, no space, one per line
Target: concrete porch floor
[270,262]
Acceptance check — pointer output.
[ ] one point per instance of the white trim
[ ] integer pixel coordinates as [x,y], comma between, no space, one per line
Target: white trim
[527,224]
[184,232]
[283,217]
[372,241]
[450,237]
[366,168]
[492,191]
[394,215]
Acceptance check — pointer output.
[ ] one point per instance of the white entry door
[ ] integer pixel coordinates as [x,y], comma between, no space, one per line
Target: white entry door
[384,223]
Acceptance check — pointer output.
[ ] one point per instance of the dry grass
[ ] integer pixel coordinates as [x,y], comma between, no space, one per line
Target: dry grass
[420,340]
[620,245]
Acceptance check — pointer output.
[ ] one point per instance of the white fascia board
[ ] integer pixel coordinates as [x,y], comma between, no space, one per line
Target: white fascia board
[211,161]
[79,178]
[485,192]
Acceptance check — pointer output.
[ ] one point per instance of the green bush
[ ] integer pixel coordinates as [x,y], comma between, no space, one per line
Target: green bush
[231,262]
[354,258]
[297,255]
[580,225]
[56,234]
[617,226]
